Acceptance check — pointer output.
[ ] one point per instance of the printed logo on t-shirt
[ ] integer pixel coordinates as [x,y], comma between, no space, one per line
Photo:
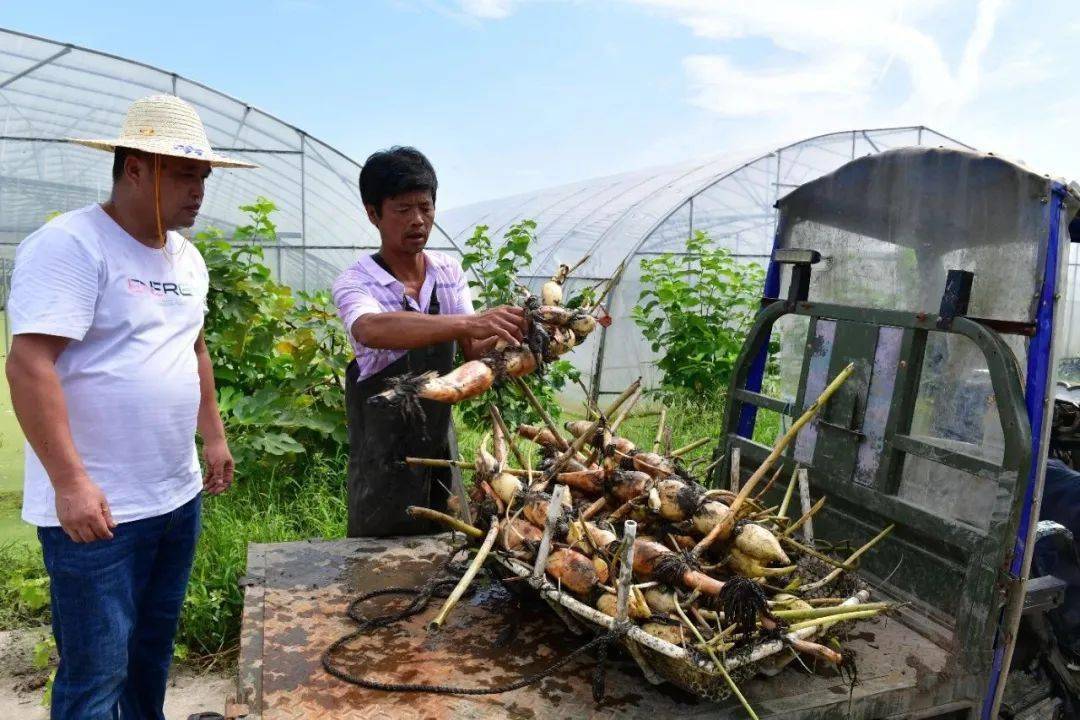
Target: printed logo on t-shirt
[166,292]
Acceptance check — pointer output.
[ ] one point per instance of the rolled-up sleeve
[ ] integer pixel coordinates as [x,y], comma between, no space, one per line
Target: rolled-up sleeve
[353,298]
[55,285]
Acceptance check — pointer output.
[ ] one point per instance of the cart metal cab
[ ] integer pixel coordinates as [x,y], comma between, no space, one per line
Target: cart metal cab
[937,273]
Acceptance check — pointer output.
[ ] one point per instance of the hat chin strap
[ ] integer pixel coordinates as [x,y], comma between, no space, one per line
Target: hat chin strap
[157,198]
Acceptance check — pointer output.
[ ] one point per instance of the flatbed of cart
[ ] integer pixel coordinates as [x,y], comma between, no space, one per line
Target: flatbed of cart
[297,593]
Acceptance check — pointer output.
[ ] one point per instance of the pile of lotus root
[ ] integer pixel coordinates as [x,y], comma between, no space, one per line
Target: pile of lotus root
[713,570]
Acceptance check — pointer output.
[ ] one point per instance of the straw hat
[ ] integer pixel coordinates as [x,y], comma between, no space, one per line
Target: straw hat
[165,125]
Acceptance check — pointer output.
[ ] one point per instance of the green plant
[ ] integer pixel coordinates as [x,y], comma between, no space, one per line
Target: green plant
[306,500]
[695,309]
[42,659]
[278,357]
[494,276]
[24,587]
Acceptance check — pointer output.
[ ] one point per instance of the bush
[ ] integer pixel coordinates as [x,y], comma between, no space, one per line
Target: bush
[279,358]
[695,310]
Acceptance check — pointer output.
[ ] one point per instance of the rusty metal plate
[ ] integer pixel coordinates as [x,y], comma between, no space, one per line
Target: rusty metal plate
[295,607]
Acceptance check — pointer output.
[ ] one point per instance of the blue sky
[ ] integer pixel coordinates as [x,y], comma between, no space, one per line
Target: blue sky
[507,96]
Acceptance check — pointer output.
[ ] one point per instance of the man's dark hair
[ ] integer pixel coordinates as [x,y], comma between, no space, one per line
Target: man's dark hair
[120,154]
[389,173]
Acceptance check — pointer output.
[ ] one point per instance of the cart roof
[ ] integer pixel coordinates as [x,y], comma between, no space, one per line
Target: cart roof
[940,197]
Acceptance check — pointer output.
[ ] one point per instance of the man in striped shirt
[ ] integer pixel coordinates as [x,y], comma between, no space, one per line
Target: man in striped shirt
[405,310]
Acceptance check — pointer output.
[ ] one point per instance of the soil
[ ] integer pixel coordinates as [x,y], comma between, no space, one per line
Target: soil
[21,685]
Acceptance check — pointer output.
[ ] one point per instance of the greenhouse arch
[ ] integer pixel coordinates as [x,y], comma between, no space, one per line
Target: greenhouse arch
[51,91]
[619,219]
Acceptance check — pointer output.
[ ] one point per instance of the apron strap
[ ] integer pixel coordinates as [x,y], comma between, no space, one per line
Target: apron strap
[433,305]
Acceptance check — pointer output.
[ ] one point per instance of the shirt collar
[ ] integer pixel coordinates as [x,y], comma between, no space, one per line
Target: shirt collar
[375,271]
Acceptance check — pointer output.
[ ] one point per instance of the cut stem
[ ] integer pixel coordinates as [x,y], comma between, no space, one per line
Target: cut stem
[510,437]
[851,559]
[689,448]
[660,430]
[467,578]
[453,523]
[790,491]
[799,523]
[723,528]
[716,661]
[560,441]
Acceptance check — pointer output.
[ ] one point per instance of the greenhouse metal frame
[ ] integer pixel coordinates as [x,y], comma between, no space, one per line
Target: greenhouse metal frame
[618,220]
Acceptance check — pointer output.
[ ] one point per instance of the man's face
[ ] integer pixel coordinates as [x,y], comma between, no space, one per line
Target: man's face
[180,192]
[405,221]
[183,185]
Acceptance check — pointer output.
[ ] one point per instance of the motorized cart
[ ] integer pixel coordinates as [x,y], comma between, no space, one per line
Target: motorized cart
[938,274]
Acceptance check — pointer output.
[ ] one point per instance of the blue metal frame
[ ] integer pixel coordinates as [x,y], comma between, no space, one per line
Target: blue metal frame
[1039,370]
[748,418]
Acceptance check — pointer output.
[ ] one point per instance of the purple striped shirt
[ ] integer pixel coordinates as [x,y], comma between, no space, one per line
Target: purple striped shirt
[365,288]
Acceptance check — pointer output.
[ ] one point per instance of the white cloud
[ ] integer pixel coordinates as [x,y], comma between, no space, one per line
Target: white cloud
[487,9]
[839,52]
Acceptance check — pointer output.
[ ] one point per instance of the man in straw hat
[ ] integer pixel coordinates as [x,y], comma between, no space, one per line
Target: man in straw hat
[111,379]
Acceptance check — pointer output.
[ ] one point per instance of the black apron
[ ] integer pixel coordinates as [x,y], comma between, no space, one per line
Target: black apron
[380,485]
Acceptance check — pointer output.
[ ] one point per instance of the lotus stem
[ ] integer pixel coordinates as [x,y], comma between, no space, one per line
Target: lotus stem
[689,448]
[814,553]
[851,559]
[612,281]
[593,509]
[496,416]
[625,412]
[768,486]
[467,578]
[453,523]
[560,441]
[809,514]
[790,491]
[723,529]
[836,618]
[464,465]
[660,429]
[580,441]
[817,613]
[716,662]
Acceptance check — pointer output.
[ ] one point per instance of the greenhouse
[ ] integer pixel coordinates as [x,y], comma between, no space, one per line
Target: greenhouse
[618,220]
[51,91]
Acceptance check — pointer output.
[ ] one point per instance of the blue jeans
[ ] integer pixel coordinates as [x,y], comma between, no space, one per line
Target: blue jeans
[115,607]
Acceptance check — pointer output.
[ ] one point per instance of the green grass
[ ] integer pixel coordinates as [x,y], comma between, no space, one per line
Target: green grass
[309,503]
[12,528]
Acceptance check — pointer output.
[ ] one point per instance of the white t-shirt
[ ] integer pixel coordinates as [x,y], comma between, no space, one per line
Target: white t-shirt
[130,375]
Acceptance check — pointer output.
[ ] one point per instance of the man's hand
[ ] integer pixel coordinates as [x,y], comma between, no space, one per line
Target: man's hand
[219,467]
[83,511]
[505,322]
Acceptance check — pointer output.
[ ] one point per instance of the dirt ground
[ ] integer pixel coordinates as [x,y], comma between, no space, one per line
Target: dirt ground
[21,686]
